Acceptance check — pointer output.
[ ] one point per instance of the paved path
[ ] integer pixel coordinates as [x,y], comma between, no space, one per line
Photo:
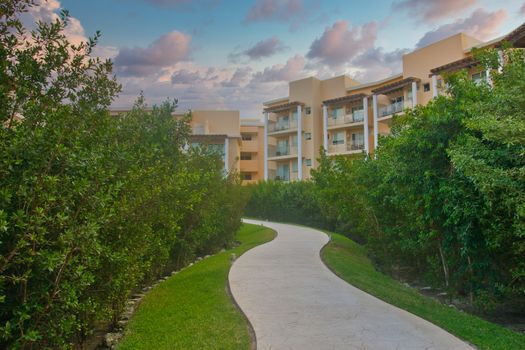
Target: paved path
[294,302]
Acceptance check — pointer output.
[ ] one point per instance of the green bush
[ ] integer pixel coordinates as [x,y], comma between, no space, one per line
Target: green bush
[443,199]
[91,205]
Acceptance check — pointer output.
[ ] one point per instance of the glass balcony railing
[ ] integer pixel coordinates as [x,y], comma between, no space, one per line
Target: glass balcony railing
[345,147]
[394,108]
[282,151]
[282,125]
[354,117]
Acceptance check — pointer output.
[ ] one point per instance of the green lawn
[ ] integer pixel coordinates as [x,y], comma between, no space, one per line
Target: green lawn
[193,310]
[348,260]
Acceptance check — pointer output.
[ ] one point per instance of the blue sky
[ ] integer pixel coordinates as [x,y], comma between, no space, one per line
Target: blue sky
[230,54]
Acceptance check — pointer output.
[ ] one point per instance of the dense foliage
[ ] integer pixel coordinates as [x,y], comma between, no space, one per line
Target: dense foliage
[91,205]
[445,196]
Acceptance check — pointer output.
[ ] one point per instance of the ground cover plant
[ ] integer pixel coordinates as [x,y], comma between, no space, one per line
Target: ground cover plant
[193,309]
[350,262]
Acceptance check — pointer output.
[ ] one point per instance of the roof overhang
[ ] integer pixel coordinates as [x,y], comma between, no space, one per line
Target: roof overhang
[466,62]
[517,37]
[345,99]
[283,107]
[398,85]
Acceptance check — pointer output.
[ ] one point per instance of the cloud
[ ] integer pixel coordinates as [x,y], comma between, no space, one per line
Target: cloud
[185,4]
[375,63]
[167,50]
[265,48]
[481,24]
[339,44]
[280,10]
[240,77]
[425,10]
[292,70]
[48,11]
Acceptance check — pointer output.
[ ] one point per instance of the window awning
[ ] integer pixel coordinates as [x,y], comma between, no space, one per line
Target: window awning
[398,85]
[345,99]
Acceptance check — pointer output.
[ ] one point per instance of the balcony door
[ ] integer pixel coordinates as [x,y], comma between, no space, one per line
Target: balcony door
[283,172]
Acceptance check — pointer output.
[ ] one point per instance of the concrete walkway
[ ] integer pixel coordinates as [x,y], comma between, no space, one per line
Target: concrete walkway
[295,302]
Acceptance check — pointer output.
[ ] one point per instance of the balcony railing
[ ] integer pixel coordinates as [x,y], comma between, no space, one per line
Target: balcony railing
[282,151]
[345,147]
[355,117]
[394,108]
[280,126]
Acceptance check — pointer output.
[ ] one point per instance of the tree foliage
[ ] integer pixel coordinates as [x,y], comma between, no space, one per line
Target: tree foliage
[91,205]
[445,195]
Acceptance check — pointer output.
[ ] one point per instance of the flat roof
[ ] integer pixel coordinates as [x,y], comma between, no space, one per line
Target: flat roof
[374,83]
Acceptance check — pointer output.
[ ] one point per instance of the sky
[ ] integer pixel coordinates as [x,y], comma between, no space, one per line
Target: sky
[232,54]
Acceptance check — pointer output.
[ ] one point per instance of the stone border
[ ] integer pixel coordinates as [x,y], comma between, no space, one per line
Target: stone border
[111,339]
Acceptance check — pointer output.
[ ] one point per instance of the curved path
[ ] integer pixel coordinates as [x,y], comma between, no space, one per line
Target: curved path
[295,302]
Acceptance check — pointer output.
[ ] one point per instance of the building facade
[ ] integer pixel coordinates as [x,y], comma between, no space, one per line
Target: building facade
[344,117]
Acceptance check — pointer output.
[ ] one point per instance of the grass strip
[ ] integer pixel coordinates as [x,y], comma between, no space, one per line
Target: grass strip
[193,309]
[349,261]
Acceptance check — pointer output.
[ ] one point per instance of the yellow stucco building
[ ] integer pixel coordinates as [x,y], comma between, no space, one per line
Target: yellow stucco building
[345,117]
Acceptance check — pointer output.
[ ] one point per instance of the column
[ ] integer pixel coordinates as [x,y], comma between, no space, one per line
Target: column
[325,128]
[501,61]
[489,79]
[299,143]
[435,92]
[414,94]
[376,127]
[265,146]
[365,124]
[226,155]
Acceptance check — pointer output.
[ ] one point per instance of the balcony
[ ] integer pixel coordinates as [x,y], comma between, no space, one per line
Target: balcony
[282,151]
[346,147]
[249,166]
[251,146]
[355,117]
[282,126]
[388,110]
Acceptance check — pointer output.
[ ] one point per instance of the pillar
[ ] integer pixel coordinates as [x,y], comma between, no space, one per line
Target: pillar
[376,127]
[435,92]
[365,123]
[299,143]
[266,146]
[226,155]
[414,94]
[325,128]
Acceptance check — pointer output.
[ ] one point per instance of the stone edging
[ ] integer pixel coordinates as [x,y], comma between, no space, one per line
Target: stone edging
[111,339]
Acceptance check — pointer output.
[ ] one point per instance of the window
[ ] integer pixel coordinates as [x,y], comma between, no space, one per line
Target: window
[478,77]
[246,176]
[426,87]
[308,162]
[338,138]
[246,156]
[337,113]
[308,110]
[246,137]
[295,166]
[307,135]
[358,141]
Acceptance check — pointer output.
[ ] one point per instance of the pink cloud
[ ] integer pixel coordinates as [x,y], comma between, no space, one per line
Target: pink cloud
[339,44]
[290,71]
[426,10]
[480,24]
[283,10]
[167,50]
